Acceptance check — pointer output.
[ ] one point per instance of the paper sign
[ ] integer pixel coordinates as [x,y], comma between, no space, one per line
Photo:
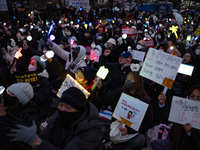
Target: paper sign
[70,82]
[138,55]
[149,43]
[158,65]
[94,55]
[186,69]
[27,77]
[185,111]
[129,31]
[130,111]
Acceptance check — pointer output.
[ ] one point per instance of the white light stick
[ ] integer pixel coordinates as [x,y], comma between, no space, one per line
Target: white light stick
[49,54]
[101,74]
[124,36]
[29,38]
[2,88]
[123,125]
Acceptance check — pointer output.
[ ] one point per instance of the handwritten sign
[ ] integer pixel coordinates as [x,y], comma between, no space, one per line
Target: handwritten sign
[94,55]
[70,82]
[27,77]
[185,110]
[159,66]
[138,55]
[129,31]
[130,111]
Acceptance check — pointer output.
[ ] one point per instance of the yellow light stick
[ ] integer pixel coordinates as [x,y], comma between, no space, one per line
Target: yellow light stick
[174,30]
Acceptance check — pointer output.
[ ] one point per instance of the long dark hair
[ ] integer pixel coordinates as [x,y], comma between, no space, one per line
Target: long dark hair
[197,86]
[139,84]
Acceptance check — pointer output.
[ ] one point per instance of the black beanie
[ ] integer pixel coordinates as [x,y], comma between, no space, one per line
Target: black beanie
[89,73]
[75,98]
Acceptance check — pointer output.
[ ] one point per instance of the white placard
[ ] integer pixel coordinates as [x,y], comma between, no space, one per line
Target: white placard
[138,55]
[70,82]
[186,69]
[185,111]
[158,65]
[3,5]
[130,109]
[94,55]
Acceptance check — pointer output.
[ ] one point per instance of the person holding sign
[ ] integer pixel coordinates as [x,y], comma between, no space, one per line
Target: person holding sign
[183,137]
[134,87]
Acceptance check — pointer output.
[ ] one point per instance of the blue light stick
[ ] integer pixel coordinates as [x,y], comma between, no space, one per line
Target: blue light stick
[51,27]
[196,38]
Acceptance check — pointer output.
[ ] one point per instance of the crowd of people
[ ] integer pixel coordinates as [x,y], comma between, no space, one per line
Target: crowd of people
[35,117]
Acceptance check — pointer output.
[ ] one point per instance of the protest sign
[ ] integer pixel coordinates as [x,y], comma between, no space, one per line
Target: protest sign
[186,69]
[88,49]
[94,55]
[160,67]
[130,111]
[138,55]
[27,77]
[185,111]
[149,42]
[70,82]
[129,31]
[79,3]
[197,32]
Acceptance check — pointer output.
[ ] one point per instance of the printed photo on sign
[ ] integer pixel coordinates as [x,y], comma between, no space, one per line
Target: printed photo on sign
[132,110]
[160,65]
[70,82]
[185,110]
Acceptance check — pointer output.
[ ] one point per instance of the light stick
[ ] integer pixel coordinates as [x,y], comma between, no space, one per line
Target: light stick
[51,27]
[174,30]
[18,53]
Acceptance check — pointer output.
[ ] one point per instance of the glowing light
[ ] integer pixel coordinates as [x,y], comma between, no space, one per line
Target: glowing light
[174,30]
[52,37]
[188,37]
[85,25]
[78,21]
[29,38]
[31,27]
[60,22]
[2,88]
[83,22]
[124,36]
[51,27]
[71,41]
[71,22]
[18,53]
[90,24]
[102,72]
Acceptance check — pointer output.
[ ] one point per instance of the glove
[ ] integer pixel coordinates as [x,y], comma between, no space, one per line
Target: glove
[24,133]
[50,43]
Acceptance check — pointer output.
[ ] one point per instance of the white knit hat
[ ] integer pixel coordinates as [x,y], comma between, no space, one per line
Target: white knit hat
[23,92]
[112,41]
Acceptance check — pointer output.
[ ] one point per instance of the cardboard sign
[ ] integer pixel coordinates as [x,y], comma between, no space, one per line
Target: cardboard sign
[138,55]
[27,77]
[185,111]
[160,65]
[149,43]
[70,82]
[94,55]
[197,32]
[130,111]
[129,31]
[186,69]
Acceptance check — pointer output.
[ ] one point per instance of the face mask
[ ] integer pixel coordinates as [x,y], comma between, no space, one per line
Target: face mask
[129,85]
[159,37]
[93,46]
[32,68]
[150,32]
[68,33]
[22,37]
[9,100]
[74,54]
[197,51]
[138,47]
[68,118]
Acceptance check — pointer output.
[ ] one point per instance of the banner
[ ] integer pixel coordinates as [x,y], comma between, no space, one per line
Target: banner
[160,67]
[79,3]
[149,42]
[185,111]
[88,49]
[70,82]
[3,5]
[130,111]
[138,55]
[129,31]
[27,77]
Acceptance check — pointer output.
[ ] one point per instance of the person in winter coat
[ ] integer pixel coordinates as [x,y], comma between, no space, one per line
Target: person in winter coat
[42,93]
[183,137]
[18,105]
[74,59]
[134,87]
[74,126]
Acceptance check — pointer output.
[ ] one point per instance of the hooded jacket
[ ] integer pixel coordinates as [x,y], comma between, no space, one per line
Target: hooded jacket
[83,134]
[71,64]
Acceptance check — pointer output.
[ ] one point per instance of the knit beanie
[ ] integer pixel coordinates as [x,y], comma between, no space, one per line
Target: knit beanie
[42,63]
[75,98]
[23,92]
[89,73]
